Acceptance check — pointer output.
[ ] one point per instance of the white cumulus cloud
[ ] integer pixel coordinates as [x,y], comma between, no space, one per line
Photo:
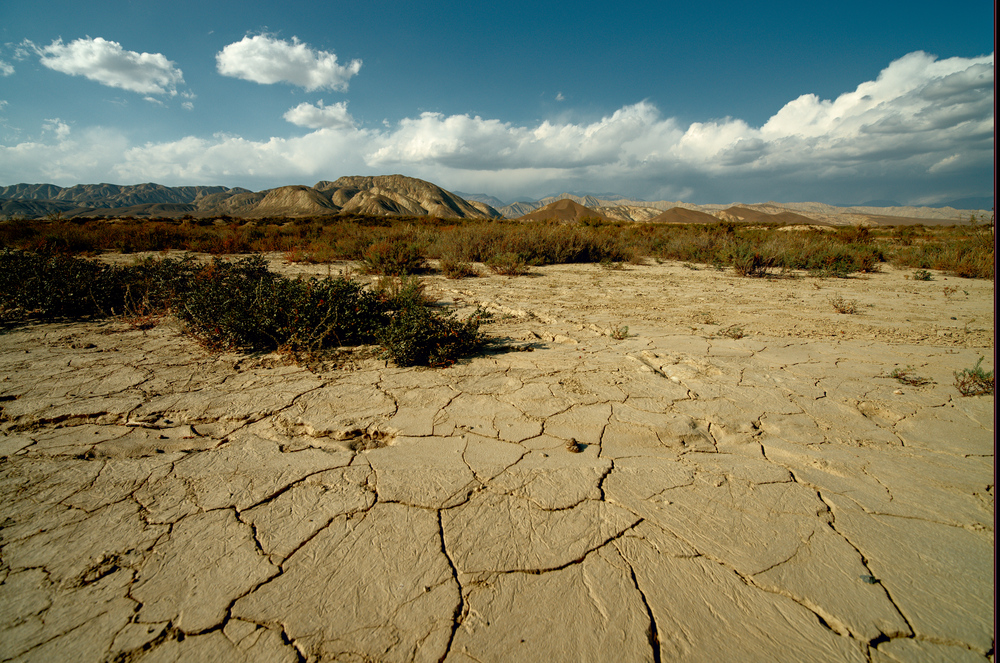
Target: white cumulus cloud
[474,143]
[109,64]
[6,68]
[229,158]
[319,116]
[58,127]
[264,59]
[923,130]
[67,159]
[907,96]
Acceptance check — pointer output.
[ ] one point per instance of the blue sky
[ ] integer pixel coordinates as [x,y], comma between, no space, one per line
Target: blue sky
[701,102]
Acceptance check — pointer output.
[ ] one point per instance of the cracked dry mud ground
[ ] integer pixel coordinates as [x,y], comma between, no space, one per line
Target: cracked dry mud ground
[774,497]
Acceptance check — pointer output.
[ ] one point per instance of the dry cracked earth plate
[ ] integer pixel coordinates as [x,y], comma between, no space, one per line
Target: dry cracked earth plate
[771,497]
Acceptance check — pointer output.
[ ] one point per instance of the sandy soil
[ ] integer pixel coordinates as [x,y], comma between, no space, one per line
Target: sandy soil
[575,493]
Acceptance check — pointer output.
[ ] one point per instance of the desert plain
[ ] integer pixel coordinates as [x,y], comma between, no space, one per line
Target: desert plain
[735,476]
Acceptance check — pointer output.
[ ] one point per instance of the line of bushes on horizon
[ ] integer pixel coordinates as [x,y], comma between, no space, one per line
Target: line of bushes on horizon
[395,245]
[238,305]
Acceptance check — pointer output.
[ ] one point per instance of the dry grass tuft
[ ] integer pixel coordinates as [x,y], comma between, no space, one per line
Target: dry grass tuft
[846,306]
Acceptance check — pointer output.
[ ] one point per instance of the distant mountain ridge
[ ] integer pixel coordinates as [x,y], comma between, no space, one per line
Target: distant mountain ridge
[854,215]
[484,198]
[381,195]
[975,203]
[399,195]
[520,208]
[113,195]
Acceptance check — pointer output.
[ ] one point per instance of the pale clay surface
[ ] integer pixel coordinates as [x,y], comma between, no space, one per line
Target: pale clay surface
[775,497]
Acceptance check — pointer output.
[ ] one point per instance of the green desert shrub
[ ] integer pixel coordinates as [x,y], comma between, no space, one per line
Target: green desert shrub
[393,257]
[238,305]
[332,241]
[507,264]
[243,305]
[155,286]
[747,260]
[968,251]
[854,235]
[906,235]
[536,244]
[396,245]
[824,253]
[968,258]
[692,244]
[456,268]
[558,244]
[419,336]
[833,260]
[51,286]
[973,257]
[975,381]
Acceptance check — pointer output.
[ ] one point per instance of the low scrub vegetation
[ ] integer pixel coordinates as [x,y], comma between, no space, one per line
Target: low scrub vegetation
[734,332]
[845,306]
[507,264]
[57,286]
[908,376]
[245,306]
[237,305]
[418,336]
[404,244]
[456,268]
[619,332]
[394,256]
[975,381]
[748,261]
[967,251]
[240,304]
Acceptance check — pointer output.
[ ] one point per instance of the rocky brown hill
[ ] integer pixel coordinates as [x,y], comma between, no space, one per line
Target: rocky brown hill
[383,195]
[750,215]
[400,195]
[564,210]
[633,213]
[683,215]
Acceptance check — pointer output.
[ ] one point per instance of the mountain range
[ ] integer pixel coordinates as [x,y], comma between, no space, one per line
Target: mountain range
[398,195]
[386,195]
[625,209]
